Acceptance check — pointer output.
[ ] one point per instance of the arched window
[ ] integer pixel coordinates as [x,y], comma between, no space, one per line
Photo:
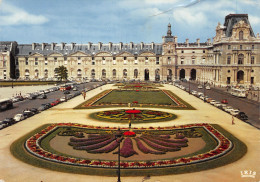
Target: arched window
[135,73]
[45,73]
[125,73]
[103,73]
[241,35]
[36,73]
[114,73]
[79,73]
[240,59]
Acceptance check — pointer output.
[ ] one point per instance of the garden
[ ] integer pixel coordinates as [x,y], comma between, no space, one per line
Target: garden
[84,149]
[136,98]
[133,116]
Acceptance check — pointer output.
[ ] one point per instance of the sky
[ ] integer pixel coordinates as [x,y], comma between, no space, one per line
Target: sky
[83,21]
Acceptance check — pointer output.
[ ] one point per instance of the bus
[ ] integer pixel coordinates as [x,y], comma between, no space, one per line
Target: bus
[6,104]
[238,92]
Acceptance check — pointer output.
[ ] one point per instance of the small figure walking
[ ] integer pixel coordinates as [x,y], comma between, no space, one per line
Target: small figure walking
[129,123]
[233,120]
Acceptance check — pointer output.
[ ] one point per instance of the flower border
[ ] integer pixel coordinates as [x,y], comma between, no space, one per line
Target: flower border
[32,145]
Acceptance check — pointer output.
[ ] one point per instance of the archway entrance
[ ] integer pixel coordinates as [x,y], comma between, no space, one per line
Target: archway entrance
[193,74]
[169,75]
[146,74]
[240,77]
[182,74]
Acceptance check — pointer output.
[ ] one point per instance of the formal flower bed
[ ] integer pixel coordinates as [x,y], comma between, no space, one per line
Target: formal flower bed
[135,115]
[138,98]
[159,143]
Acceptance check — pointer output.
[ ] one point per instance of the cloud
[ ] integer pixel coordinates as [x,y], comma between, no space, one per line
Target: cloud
[254,20]
[12,15]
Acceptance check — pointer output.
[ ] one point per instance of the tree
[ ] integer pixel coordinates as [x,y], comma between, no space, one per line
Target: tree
[61,72]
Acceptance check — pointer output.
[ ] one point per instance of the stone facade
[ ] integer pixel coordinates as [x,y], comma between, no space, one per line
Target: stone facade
[232,58]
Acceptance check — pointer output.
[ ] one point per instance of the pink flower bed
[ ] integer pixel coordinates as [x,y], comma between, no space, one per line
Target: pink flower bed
[133,111]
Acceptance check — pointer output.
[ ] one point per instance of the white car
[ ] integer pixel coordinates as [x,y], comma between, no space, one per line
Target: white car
[208,87]
[228,108]
[62,99]
[193,92]
[212,102]
[200,87]
[217,104]
[234,112]
[18,117]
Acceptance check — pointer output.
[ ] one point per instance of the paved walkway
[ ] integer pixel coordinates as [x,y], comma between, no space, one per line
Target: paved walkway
[13,170]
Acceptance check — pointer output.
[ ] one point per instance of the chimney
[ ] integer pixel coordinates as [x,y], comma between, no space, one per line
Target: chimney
[142,45]
[209,41]
[198,42]
[72,45]
[152,45]
[89,45]
[52,46]
[110,45]
[33,46]
[187,42]
[99,45]
[120,45]
[62,46]
[176,39]
[43,46]
[131,45]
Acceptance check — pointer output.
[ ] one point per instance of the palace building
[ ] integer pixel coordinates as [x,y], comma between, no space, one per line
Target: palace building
[231,58]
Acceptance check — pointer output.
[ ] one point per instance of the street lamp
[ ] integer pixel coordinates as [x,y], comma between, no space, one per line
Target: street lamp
[189,84]
[118,136]
[204,84]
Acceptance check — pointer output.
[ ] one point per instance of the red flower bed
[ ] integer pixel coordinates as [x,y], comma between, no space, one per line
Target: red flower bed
[133,111]
[129,133]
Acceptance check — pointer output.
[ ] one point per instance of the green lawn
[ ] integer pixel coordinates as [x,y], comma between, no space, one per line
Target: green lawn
[144,97]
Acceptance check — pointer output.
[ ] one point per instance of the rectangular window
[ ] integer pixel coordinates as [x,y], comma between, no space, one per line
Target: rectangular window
[252,59]
[182,61]
[114,58]
[79,58]
[229,47]
[157,60]
[26,61]
[93,62]
[114,61]
[79,62]
[136,61]
[253,47]
[65,62]
[36,63]
[204,51]
[193,61]
[125,61]
[104,62]
[229,60]
[4,63]
[182,51]
[241,47]
[124,58]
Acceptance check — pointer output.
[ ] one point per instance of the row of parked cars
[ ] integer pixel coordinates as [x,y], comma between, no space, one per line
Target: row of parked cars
[30,112]
[219,104]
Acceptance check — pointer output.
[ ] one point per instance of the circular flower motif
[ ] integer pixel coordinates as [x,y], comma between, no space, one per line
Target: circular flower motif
[129,134]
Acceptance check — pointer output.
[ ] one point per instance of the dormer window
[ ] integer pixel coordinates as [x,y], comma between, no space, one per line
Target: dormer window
[241,35]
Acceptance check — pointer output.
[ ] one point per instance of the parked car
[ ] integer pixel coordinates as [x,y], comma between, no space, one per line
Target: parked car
[217,104]
[34,110]
[32,97]
[19,117]
[43,96]
[41,92]
[66,92]
[224,101]
[242,116]
[212,102]
[207,87]
[42,107]
[75,89]
[62,99]
[234,112]
[228,108]
[9,121]
[28,113]
[2,125]
[200,87]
